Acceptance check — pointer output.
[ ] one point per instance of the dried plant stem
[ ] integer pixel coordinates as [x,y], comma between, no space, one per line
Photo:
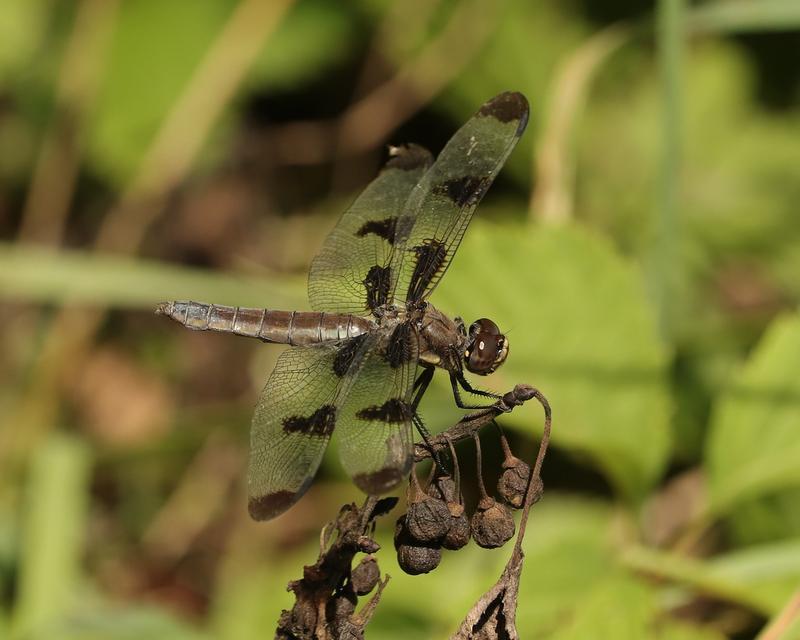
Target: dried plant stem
[554,163]
[479,465]
[788,617]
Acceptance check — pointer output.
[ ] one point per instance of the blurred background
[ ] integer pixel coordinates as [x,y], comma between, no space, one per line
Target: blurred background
[641,248]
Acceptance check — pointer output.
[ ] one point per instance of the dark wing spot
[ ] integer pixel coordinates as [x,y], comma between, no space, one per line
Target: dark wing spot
[377,283]
[409,157]
[393,410]
[430,257]
[383,228]
[400,348]
[319,424]
[463,191]
[346,354]
[507,107]
[270,505]
[380,481]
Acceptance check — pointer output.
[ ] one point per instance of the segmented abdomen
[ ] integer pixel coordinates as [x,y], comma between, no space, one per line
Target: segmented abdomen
[285,327]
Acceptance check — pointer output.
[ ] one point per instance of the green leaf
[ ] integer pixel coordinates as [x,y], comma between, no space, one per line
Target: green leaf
[53,534]
[770,571]
[746,15]
[760,578]
[580,330]
[765,518]
[618,608]
[35,274]
[753,448]
[156,48]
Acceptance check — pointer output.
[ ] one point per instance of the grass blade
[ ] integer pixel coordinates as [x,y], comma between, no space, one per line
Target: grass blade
[35,274]
[54,527]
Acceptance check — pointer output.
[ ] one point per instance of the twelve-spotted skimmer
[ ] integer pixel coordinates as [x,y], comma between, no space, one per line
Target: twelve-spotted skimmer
[355,359]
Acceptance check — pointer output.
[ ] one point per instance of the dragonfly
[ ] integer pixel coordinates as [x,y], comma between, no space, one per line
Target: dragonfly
[361,360]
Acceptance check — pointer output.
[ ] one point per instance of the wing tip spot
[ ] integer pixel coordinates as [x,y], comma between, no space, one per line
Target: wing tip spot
[270,505]
[381,481]
[507,107]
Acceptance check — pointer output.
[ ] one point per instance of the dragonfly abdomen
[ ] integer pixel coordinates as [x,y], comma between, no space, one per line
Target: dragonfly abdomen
[270,325]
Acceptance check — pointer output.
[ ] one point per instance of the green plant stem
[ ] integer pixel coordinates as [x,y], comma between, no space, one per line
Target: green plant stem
[670,38]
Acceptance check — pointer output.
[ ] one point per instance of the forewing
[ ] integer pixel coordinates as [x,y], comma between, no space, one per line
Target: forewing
[374,430]
[351,273]
[296,413]
[444,200]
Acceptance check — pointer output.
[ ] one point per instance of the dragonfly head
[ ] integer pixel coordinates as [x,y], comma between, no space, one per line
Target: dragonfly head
[487,348]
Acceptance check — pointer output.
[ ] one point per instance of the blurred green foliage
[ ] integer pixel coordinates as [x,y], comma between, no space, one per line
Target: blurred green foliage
[641,249]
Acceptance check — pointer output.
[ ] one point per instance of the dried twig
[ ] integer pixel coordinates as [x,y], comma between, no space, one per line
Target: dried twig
[326,596]
[494,615]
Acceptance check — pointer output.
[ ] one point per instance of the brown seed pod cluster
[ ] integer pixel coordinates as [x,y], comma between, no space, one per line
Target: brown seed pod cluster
[436,518]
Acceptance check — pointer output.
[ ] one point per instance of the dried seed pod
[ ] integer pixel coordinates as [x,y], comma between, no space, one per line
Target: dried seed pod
[513,481]
[457,535]
[365,576]
[400,531]
[428,518]
[444,488]
[341,606]
[414,557]
[492,524]
[415,560]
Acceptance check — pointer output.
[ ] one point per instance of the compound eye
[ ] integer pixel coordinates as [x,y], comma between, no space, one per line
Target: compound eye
[483,355]
[474,329]
[484,325]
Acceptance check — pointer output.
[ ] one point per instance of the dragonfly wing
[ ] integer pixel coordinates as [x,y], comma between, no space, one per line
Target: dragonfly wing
[375,431]
[445,198]
[295,416]
[351,272]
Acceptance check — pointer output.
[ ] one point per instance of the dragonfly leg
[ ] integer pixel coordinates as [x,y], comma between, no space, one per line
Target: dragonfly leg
[420,386]
[426,438]
[457,379]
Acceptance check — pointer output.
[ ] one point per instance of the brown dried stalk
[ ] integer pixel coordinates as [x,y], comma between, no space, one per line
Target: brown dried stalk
[325,597]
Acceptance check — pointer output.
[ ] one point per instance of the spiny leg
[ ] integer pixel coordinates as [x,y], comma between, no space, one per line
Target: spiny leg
[420,386]
[456,379]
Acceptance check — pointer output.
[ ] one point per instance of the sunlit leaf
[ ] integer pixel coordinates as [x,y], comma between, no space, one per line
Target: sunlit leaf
[750,578]
[753,446]
[771,571]
[603,615]
[581,330]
